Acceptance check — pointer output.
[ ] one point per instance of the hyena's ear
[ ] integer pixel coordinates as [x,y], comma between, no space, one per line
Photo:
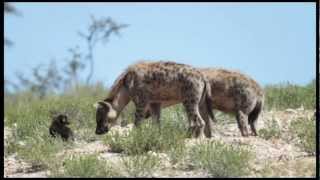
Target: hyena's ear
[100,104]
[111,112]
[96,105]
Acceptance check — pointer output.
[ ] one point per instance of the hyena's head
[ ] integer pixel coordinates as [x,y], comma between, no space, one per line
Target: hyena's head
[105,117]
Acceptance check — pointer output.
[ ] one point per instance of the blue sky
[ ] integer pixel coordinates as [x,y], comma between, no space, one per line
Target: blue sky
[272,42]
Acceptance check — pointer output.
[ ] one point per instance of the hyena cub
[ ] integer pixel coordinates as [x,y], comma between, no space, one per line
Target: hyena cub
[59,127]
[236,93]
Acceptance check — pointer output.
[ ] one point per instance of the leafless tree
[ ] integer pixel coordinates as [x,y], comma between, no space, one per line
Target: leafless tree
[99,30]
[74,66]
[10,9]
[44,80]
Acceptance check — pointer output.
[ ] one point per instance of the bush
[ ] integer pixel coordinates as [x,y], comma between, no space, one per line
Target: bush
[143,139]
[286,95]
[116,142]
[88,166]
[140,165]
[271,131]
[29,119]
[140,140]
[40,151]
[148,137]
[305,130]
[220,160]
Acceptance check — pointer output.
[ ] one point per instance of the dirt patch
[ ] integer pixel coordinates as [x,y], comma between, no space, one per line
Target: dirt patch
[278,157]
[15,167]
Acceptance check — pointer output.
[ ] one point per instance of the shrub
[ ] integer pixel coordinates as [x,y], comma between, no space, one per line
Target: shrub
[148,137]
[88,166]
[140,165]
[116,142]
[220,160]
[40,151]
[177,153]
[271,131]
[286,95]
[29,119]
[305,130]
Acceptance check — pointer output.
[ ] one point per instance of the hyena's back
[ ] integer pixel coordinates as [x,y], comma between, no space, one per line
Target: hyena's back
[232,91]
[165,81]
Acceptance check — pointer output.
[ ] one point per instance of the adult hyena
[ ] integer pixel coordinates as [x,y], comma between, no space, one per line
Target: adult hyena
[151,85]
[236,93]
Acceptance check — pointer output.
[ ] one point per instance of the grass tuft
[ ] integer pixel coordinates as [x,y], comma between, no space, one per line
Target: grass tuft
[220,160]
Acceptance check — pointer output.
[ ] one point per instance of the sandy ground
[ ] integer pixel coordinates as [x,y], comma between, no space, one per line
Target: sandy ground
[275,157]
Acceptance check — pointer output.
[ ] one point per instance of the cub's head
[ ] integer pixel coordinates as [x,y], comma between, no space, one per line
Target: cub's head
[61,119]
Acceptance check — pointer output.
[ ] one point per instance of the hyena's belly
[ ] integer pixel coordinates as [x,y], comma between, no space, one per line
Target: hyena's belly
[165,94]
[223,103]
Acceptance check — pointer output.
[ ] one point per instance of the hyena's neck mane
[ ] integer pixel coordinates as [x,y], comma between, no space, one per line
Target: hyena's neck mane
[117,85]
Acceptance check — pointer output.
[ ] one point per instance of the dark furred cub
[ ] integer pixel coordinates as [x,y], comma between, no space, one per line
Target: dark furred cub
[59,127]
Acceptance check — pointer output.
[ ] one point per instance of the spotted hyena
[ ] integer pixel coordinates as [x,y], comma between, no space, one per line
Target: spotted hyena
[151,86]
[234,92]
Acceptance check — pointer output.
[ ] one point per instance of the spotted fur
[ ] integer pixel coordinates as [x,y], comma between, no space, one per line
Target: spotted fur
[237,93]
[157,84]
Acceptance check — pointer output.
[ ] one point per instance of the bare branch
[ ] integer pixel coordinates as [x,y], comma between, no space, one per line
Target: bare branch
[8,8]
[99,30]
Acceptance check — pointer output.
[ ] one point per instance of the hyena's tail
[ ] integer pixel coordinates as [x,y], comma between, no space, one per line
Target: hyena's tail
[253,116]
[210,108]
[207,97]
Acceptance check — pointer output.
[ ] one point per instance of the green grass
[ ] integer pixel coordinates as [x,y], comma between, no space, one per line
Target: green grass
[29,118]
[305,130]
[41,151]
[88,166]
[272,130]
[140,165]
[148,136]
[285,95]
[220,160]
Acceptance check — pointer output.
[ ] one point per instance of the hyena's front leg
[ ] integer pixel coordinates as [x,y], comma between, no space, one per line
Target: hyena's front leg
[140,102]
[242,120]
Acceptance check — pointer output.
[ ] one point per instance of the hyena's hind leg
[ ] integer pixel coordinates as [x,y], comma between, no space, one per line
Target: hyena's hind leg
[253,117]
[242,120]
[209,103]
[196,123]
[155,110]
